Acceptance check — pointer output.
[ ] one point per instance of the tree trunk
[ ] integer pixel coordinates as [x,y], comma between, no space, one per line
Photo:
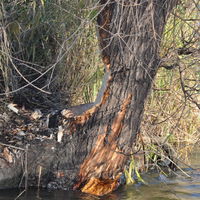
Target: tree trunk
[98,142]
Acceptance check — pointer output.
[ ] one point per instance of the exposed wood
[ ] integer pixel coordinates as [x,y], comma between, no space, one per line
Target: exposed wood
[100,187]
[105,157]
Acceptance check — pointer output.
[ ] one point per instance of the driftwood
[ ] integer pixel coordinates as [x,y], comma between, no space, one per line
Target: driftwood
[32,154]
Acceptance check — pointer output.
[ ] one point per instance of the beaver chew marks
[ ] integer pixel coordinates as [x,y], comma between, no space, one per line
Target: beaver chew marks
[103,166]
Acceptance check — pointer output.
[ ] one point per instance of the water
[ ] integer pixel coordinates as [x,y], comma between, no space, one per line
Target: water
[159,187]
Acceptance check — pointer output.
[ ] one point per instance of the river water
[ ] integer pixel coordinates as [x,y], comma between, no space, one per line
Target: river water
[157,187]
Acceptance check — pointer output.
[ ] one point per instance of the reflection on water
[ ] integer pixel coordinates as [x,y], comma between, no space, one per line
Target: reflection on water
[159,187]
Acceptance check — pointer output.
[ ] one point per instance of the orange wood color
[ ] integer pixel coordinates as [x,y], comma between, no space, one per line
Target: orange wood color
[100,187]
[104,164]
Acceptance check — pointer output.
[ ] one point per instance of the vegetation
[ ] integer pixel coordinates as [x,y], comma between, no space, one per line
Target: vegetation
[49,57]
[172,110]
[40,41]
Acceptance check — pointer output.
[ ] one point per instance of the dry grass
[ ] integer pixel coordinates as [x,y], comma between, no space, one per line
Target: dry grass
[172,110]
[49,53]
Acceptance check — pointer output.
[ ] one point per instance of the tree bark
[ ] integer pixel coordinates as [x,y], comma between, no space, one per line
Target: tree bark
[98,141]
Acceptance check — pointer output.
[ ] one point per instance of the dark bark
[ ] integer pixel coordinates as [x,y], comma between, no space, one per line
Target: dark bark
[98,142]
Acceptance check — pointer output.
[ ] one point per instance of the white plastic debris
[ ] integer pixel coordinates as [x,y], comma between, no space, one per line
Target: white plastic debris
[21,133]
[60,133]
[12,107]
[37,114]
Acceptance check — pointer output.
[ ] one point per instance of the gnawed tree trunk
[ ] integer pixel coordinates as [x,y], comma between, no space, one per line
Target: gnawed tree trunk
[98,142]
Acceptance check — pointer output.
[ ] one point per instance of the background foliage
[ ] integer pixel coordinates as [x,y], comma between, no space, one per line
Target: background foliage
[49,52]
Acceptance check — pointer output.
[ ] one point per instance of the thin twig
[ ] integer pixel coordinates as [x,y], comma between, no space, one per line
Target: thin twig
[11,146]
[20,194]
[26,167]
